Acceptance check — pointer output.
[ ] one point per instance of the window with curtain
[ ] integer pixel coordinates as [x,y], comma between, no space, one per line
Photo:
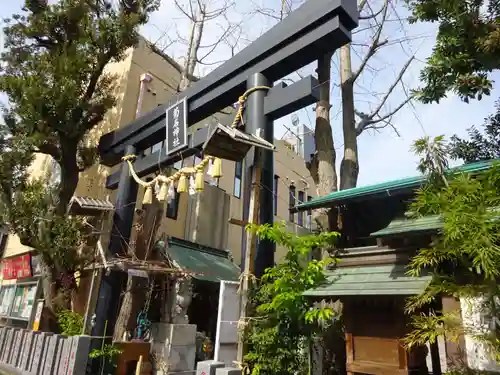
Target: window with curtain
[300,215]
[275,193]
[292,191]
[309,215]
[173,206]
[238,175]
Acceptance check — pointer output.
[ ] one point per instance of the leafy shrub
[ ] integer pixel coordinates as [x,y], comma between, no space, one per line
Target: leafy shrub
[70,322]
[285,322]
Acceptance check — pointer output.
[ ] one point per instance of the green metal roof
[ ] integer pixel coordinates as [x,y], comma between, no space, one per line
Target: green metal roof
[421,224]
[206,263]
[386,188]
[388,280]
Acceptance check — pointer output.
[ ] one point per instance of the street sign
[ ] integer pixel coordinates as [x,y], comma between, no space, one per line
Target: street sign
[176,116]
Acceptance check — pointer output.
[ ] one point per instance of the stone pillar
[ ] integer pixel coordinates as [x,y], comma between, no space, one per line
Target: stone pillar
[8,345]
[27,355]
[208,367]
[52,346]
[174,346]
[78,355]
[37,360]
[228,371]
[64,356]
[14,350]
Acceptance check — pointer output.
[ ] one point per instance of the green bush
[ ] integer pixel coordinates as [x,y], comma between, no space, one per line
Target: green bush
[70,322]
[285,322]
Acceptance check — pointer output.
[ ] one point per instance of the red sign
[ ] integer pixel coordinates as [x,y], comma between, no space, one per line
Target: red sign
[17,267]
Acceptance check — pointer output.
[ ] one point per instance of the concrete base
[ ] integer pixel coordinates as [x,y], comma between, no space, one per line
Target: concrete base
[9,370]
[175,345]
[208,367]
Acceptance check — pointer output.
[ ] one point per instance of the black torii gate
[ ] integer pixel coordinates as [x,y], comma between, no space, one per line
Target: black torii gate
[316,28]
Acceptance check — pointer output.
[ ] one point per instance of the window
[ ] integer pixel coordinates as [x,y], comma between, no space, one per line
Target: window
[309,214]
[300,215]
[24,300]
[238,173]
[6,297]
[292,202]
[173,206]
[275,194]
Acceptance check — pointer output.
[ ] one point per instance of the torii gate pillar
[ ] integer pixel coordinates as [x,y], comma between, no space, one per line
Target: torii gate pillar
[258,124]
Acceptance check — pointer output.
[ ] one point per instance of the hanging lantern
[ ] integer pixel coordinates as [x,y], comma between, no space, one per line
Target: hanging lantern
[162,195]
[199,183]
[148,195]
[229,143]
[182,186]
[216,171]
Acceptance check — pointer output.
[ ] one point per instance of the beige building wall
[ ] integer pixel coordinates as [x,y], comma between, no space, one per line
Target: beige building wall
[289,168]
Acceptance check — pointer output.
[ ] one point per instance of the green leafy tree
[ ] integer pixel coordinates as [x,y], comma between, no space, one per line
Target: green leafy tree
[481,145]
[53,73]
[464,257]
[285,321]
[433,156]
[466,50]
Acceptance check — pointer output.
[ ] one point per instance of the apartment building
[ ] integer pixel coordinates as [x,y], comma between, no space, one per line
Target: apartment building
[145,79]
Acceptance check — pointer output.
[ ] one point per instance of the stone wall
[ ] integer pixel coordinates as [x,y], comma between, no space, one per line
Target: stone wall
[216,368]
[174,348]
[35,353]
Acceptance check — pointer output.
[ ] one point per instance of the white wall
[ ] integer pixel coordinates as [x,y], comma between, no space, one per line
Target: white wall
[478,357]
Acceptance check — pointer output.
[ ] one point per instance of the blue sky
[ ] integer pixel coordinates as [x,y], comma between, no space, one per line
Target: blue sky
[384,155]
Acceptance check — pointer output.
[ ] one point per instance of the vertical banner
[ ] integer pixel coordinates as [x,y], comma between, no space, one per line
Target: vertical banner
[38,315]
[176,126]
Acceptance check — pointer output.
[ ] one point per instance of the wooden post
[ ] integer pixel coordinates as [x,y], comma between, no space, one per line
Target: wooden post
[251,246]
[138,368]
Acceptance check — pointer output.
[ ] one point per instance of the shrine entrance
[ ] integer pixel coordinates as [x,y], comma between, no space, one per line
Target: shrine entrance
[307,34]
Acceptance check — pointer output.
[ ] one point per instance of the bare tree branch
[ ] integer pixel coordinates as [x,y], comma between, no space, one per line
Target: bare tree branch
[372,15]
[376,43]
[191,15]
[375,117]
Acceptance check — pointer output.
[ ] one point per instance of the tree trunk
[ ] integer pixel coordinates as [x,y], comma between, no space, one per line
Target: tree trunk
[323,164]
[49,316]
[188,72]
[192,50]
[137,287]
[349,168]
[69,175]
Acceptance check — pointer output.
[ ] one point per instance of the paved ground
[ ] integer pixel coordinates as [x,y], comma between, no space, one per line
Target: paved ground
[7,371]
